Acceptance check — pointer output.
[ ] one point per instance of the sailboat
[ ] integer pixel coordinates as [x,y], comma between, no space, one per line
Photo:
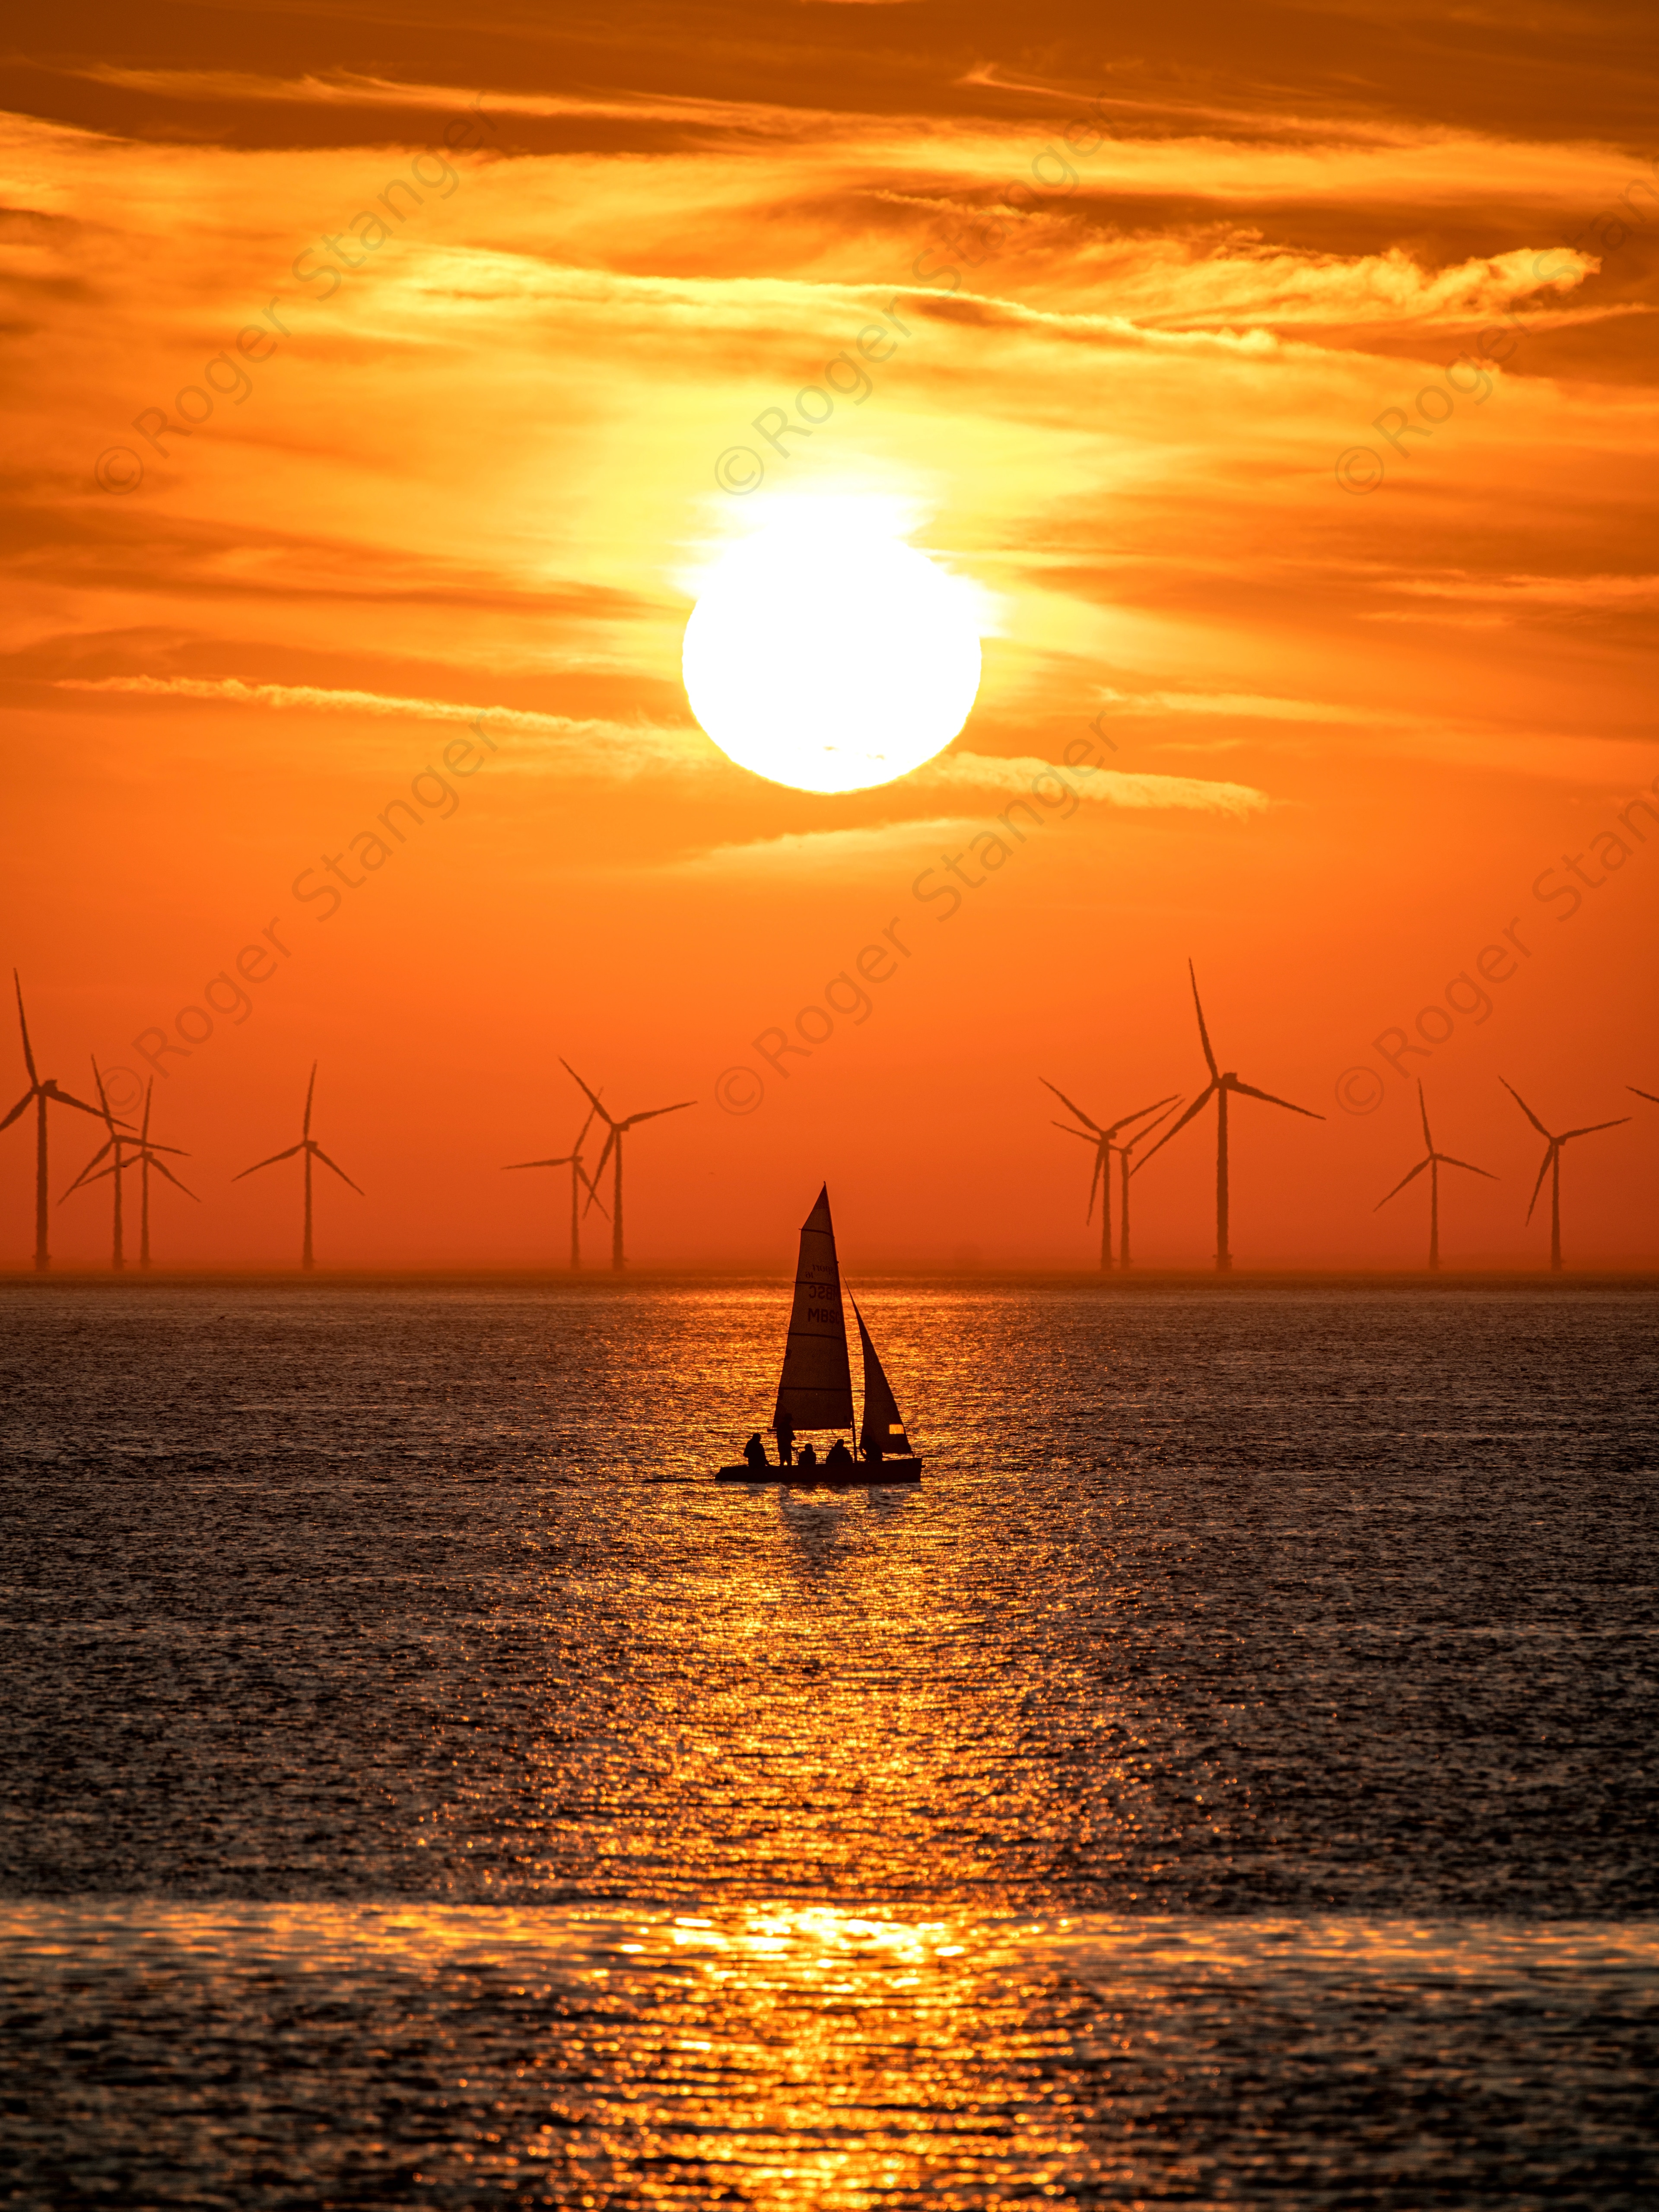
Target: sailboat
[815,1390]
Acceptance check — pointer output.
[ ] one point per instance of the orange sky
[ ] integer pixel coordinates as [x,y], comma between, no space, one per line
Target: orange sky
[1282,378]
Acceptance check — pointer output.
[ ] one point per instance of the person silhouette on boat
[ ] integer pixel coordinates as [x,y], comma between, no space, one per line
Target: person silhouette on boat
[754,1451]
[784,1429]
[809,1458]
[838,1455]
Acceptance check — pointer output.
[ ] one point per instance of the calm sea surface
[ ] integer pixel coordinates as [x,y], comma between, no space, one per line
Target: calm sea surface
[1229,1778]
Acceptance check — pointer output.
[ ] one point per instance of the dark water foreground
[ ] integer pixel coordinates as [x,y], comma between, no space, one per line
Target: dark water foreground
[279,2055]
[1229,1779]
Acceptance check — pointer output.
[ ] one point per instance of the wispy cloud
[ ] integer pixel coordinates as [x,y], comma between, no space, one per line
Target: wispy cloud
[589,746]
[987,772]
[343,88]
[801,852]
[1255,706]
[595,747]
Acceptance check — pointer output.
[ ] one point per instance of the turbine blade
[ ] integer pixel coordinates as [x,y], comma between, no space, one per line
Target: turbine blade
[1528,1111]
[1150,1127]
[1101,1165]
[144,1128]
[594,1199]
[161,1167]
[1446,1160]
[1594,1127]
[338,1171]
[28,1099]
[1084,1133]
[593,1182]
[64,1098]
[1140,1112]
[271,1162]
[1648,1095]
[1542,1172]
[1067,1105]
[23,1023]
[651,1115]
[563,1162]
[1423,1108]
[592,1095]
[1250,1091]
[1400,1185]
[1204,1035]
[311,1087]
[1202,1100]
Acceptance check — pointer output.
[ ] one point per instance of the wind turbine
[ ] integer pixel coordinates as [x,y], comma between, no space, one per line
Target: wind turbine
[617,1132]
[1102,1177]
[1220,1086]
[309,1147]
[1124,1171]
[143,1152]
[1433,1163]
[147,1159]
[1552,1167]
[579,1176]
[40,1093]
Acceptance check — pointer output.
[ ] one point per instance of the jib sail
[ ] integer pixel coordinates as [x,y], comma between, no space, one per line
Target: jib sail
[883,1431]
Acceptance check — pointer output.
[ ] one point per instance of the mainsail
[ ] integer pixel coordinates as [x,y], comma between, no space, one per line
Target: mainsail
[883,1431]
[816,1390]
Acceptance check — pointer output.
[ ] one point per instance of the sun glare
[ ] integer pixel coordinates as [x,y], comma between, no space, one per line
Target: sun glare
[825,652]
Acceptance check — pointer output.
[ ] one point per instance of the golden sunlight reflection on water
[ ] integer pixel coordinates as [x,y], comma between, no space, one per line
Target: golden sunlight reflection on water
[777,2056]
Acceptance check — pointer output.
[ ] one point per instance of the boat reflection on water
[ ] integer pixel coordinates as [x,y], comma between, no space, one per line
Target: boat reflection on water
[789,2055]
[825,1521]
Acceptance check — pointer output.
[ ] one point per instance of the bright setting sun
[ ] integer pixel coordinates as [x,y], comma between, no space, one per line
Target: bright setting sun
[825,652]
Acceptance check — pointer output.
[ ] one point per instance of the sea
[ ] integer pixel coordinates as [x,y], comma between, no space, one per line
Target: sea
[1227,1778]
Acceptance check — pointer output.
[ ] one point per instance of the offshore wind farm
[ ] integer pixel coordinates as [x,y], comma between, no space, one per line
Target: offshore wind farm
[129,1150]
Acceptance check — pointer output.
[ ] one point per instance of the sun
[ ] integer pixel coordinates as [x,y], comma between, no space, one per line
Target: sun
[826,654]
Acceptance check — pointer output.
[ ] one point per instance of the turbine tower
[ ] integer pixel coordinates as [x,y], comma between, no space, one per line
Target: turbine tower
[615,1132]
[310,1147]
[147,1160]
[1552,1167]
[1093,1133]
[579,1176]
[1433,1163]
[41,1093]
[143,1152]
[1124,1172]
[1220,1086]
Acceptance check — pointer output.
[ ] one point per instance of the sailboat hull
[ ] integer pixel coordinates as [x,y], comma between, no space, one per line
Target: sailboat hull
[862,1473]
